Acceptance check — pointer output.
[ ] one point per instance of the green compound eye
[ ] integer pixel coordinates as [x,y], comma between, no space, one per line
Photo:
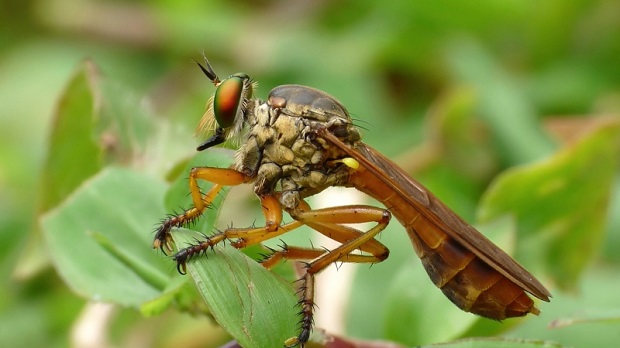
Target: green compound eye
[228,99]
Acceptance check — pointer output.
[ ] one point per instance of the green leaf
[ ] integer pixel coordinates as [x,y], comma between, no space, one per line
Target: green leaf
[72,157]
[251,303]
[411,306]
[100,238]
[95,122]
[502,104]
[497,343]
[124,128]
[609,315]
[560,205]
[73,154]
[461,139]
[178,197]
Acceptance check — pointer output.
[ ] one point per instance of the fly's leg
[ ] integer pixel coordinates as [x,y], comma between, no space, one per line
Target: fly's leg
[243,237]
[326,221]
[272,211]
[329,222]
[287,252]
[220,177]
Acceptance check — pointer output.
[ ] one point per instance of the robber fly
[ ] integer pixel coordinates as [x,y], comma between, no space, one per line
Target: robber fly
[301,141]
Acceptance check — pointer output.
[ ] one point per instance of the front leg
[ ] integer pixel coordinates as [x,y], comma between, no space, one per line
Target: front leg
[244,237]
[220,177]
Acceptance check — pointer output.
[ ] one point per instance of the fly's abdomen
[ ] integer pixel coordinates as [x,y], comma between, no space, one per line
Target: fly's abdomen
[464,278]
[471,271]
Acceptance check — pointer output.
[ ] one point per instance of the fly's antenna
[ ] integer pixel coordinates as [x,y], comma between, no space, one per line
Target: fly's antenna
[208,71]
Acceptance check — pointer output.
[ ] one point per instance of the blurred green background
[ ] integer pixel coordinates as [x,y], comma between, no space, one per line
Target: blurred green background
[509,111]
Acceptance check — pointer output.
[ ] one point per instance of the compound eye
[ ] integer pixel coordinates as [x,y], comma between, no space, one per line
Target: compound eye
[227,101]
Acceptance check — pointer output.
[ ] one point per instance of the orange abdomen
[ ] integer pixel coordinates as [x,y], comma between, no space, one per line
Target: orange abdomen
[467,280]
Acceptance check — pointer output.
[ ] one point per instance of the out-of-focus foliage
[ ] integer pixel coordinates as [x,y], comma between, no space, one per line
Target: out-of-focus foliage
[513,104]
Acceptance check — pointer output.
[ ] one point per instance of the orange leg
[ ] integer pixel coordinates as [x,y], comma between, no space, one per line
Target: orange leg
[244,236]
[220,177]
[328,222]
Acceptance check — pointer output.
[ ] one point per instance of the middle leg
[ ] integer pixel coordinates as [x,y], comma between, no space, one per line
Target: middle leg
[329,223]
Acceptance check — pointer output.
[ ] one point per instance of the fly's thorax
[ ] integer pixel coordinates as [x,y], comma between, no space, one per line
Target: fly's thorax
[281,150]
[307,102]
[316,108]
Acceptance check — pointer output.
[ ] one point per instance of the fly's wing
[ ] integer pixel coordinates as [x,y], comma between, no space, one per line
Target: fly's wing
[433,209]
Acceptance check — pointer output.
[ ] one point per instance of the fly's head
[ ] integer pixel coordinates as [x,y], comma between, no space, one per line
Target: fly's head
[227,108]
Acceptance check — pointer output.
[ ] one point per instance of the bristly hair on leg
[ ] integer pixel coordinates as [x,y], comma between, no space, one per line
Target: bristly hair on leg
[283,245]
[338,265]
[183,256]
[266,255]
[253,225]
[307,308]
